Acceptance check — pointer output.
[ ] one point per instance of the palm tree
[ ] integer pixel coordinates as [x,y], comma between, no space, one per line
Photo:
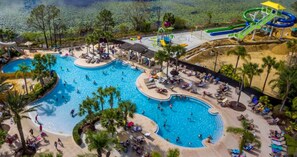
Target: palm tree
[244,71]
[112,93]
[50,60]
[292,44]
[128,109]
[108,120]
[216,59]
[108,36]
[270,63]
[253,70]
[23,69]
[173,153]
[246,135]
[178,52]
[89,106]
[161,57]
[100,95]
[100,141]
[39,71]
[18,106]
[240,52]
[286,80]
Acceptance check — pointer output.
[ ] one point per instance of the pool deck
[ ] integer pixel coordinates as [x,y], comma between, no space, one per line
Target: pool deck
[219,149]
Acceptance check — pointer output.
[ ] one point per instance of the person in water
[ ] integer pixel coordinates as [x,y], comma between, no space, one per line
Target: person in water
[200,136]
[177,139]
[143,112]
[94,82]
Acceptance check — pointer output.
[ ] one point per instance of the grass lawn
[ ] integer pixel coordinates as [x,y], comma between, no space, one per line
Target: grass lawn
[292,144]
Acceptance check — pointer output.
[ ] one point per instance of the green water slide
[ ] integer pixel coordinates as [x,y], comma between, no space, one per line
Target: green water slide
[224,28]
[253,26]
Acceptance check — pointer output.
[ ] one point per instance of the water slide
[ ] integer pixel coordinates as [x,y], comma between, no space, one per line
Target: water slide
[224,28]
[11,44]
[253,26]
[163,43]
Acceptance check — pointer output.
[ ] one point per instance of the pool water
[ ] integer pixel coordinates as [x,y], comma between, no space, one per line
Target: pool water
[185,120]
[13,66]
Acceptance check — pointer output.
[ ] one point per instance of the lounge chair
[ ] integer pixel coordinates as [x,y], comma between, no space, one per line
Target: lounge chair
[152,86]
[248,147]
[242,117]
[277,147]
[150,83]
[234,151]
[273,121]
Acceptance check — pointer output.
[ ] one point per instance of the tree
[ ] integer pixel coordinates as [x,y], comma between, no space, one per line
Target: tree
[100,141]
[269,63]
[107,36]
[169,17]
[244,71]
[292,44]
[105,20]
[161,57]
[92,40]
[172,51]
[138,13]
[112,93]
[155,154]
[178,52]
[240,52]
[100,95]
[50,61]
[109,119]
[52,13]
[88,106]
[209,16]
[37,20]
[40,71]
[128,109]
[18,106]
[24,69]
[285,82]
[3,85]
[3,135]
[246,135]
[173,153]
[253,70]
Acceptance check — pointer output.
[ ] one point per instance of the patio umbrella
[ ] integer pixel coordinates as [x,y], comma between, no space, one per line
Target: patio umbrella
[130,124]
[174,73]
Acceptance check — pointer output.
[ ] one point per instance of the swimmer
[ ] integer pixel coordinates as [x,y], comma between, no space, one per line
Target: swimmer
[77,91]
[94,82]
[177,139]
[143,112]
[65,82]
[122,73]
[200,136]
[122,78]
[170,106]
[190,143]
[191,113]
[63,97]
[67,69]
[159,106]
[87,77]
[136,67]
[61,68]
[72,111]
[74,81]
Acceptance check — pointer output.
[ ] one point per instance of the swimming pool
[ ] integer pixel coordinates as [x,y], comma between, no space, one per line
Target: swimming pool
[55,111]
[13,66]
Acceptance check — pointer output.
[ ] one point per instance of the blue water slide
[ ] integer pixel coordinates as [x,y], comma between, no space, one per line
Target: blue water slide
[226,32]
[284,22]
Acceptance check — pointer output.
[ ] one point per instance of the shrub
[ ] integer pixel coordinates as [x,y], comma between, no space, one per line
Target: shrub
[228,70]
[77,130]
[180,23]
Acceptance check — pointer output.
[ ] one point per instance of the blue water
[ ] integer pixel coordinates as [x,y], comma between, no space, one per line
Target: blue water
[55,115]
[13,66]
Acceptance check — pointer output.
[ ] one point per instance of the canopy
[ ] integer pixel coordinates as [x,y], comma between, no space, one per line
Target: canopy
[273,5]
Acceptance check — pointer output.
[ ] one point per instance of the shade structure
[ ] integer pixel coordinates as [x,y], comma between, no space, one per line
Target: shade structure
[126,46]
[139,48]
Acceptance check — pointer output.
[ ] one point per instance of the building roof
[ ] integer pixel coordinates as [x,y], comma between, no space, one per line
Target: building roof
[139,48]
[149,54]
[273,5]
[125,46]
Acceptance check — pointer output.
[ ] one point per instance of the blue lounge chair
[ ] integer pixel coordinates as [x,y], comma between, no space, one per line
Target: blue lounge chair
[248,147]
